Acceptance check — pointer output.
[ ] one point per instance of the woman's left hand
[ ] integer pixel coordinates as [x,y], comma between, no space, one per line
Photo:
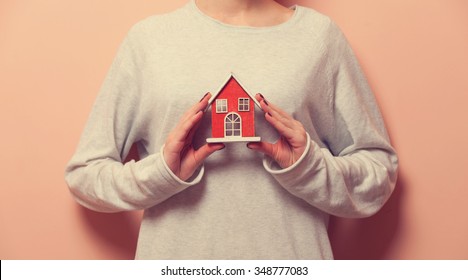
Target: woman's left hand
[293,137]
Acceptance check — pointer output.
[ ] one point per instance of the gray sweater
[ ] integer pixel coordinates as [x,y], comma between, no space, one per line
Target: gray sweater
[239,204]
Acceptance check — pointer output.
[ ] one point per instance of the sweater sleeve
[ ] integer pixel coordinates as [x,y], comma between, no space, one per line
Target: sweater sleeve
[355,171]
[96,176]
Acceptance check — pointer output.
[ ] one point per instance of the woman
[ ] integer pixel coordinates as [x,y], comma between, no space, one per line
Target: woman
[325,145]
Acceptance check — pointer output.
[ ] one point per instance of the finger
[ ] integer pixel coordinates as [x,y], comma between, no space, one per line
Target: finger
[285,124]
[187,125]
[275,112]
[282,121]
[280,111]
[188,116]
[281,126]
[194,129]
[206,150]
[182,131]
[263,147]
[260,98]
[200,106]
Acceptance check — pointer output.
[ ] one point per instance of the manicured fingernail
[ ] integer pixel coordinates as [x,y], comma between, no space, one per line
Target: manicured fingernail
[222,148]
[203,97]
[263,97]
[248,146]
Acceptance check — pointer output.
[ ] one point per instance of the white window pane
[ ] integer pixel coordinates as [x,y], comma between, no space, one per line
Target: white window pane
[221,106]
[244,104]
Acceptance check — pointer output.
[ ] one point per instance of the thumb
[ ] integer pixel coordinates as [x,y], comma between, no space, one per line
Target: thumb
[263,147]
[206,150]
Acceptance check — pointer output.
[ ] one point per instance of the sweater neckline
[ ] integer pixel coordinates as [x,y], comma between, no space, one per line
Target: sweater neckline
[244,28]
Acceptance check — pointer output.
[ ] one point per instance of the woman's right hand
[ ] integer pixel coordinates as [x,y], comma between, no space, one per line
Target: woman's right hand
[179,154]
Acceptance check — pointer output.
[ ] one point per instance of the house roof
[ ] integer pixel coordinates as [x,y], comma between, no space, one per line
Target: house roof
[231,76]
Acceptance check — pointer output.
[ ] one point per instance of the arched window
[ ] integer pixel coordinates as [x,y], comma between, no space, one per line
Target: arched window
[232,125]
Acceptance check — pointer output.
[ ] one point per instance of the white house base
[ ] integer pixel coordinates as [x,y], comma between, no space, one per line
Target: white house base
[233,139]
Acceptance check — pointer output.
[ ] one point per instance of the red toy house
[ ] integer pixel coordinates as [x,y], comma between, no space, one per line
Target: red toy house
[233,114]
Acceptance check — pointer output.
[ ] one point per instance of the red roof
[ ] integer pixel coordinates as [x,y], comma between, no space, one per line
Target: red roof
[231,76]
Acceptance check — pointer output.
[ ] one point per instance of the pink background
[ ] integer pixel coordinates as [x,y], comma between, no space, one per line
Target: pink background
[54,55]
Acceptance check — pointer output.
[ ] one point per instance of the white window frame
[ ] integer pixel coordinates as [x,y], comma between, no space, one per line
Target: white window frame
[243,104]
[221,106]
[235,128]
